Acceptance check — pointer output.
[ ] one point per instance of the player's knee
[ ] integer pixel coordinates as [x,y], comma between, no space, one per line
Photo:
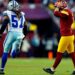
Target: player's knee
[6,50]
[69,52]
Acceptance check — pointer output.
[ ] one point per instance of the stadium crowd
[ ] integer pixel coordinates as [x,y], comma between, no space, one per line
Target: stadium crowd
[45,38]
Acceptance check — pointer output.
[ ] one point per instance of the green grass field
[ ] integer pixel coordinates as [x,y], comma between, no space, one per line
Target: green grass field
[35,66]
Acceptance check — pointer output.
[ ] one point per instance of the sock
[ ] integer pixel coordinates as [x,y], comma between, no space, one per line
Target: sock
[4,60]
[52,69]
[58,59]
[72,55]
[13,54]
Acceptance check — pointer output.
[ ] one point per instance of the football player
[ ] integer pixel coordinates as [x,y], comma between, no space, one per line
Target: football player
[73,26]
[18,28]
[66,42]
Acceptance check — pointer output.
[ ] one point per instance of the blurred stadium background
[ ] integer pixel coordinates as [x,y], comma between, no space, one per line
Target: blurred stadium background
[44,40]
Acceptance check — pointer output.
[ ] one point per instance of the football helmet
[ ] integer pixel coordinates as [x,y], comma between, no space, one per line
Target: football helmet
[13,5]
[61,4]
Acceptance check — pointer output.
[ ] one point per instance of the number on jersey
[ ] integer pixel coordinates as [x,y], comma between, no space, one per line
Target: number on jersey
[15,22]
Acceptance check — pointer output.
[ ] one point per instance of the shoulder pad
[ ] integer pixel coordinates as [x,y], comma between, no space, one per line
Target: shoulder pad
[64,12]
[5,13]
[22,13]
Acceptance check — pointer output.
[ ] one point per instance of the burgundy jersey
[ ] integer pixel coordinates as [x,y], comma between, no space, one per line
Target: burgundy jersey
[66,20]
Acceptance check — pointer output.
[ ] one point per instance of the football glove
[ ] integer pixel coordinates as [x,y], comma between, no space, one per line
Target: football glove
[61,4]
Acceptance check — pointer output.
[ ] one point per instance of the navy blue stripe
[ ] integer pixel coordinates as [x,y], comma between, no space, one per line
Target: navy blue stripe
[6,39]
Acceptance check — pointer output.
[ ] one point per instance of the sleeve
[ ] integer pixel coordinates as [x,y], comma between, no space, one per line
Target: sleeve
[23,14]
[25,31]
[4,22]
[5,13]
[62,13]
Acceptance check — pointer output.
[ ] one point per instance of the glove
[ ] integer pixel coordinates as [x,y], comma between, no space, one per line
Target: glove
[60,4]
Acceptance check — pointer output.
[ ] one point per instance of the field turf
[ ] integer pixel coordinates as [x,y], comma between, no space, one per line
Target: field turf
[32,66]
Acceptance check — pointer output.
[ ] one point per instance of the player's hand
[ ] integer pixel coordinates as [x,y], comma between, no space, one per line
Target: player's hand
[61,4]
[58,4]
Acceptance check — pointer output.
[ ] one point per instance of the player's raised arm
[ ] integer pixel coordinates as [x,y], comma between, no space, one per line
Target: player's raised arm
[4,24]
[60,9]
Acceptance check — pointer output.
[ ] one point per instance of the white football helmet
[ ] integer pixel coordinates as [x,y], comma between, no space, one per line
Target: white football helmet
[13,5]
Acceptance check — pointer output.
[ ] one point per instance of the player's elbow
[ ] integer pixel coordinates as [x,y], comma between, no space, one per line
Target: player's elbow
[25,30]
[56,13]
[4,24]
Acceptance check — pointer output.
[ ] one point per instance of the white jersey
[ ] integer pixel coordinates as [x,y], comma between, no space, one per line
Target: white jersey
[15,24]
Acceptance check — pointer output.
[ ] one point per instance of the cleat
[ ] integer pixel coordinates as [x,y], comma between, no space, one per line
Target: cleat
[48,70]
[73,73]
[1,72]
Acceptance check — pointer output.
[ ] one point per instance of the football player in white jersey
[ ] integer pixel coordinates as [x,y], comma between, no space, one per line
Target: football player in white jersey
[16,19]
